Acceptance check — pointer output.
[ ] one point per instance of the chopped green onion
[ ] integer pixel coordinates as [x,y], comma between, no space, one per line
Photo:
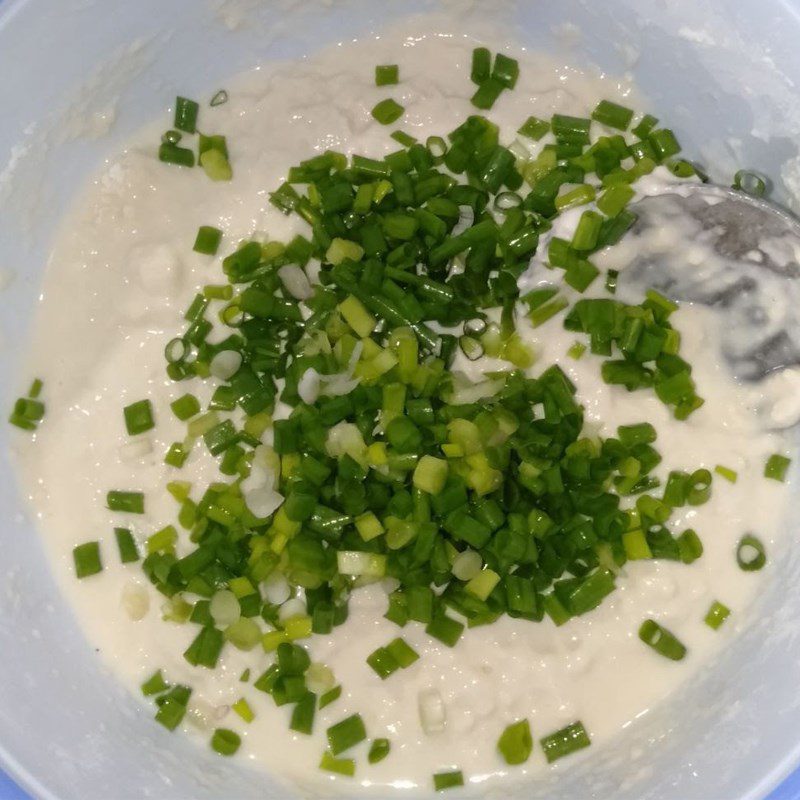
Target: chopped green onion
[185,407]
[565,741]
[207,240]
[128,552]
[661,640]
[346,734]
[186,115]
[172,154]
[505,71]
[87,559]
[487,93]
[303,714]
[330,696]
[727,473]
[139,417]
[750,553]
[516,743]
[225,742]
[386,75]
[128,502]
[481,65]
[155,684]
[750,183]
[448,780]
[716,615]
[341,766]
[387,111]
[378,750]
[612,115]
[776,467]
[534,128]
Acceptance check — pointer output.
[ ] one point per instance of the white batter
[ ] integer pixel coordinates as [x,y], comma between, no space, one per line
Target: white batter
[121,276]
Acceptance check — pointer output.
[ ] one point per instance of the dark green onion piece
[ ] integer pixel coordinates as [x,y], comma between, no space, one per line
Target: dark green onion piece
[661,640]
[330,696]
[87,559]
[172,154]
[565,741]
[387,74]
[487,93]
[776,467]
[505,71]
[750,553]
[155,684]
[225,742]
[481,65]
[128,551]
[186,115]
[378,750]
[346,734]
[129,502]
[613,115]
[448,780]
[534,128]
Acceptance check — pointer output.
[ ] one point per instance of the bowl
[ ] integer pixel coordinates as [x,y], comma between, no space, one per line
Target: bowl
[80,77]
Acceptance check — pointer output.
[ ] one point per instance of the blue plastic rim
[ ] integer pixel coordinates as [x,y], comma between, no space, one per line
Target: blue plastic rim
[723,70]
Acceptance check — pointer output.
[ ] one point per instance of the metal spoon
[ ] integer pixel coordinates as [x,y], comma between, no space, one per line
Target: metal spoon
[720,247]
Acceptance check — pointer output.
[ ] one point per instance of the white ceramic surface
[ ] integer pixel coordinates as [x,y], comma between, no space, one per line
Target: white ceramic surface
[723,71]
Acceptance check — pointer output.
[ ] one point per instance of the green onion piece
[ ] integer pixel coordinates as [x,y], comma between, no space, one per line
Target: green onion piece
[378,750]
[689,546]
[487,93]
[505,71]
[205,649]
[330,696]
[128,552]
[516,743]
[534,128]
[171,137]
[481,65]
[611,281]
[207,240]
[750,183]
[565,741]
[242,708]
[219,98]
[750,553]
[139,417]
[129,502]
[387,74]
[87,559]
[661,640]
[172,707]
[727,473]
[216,165]
[387,111]
[448,780]
[776,467]
[225,742]
[612,115]
[645,125]
[403,654]
[445,629]
[382,663]
[172,154]
[185,407]
[303,714]
[716,615]
[341,766]
[587,231]
[346,734]
[576,350]
[155,684]
[36,388]
[403,138]
[186,115]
